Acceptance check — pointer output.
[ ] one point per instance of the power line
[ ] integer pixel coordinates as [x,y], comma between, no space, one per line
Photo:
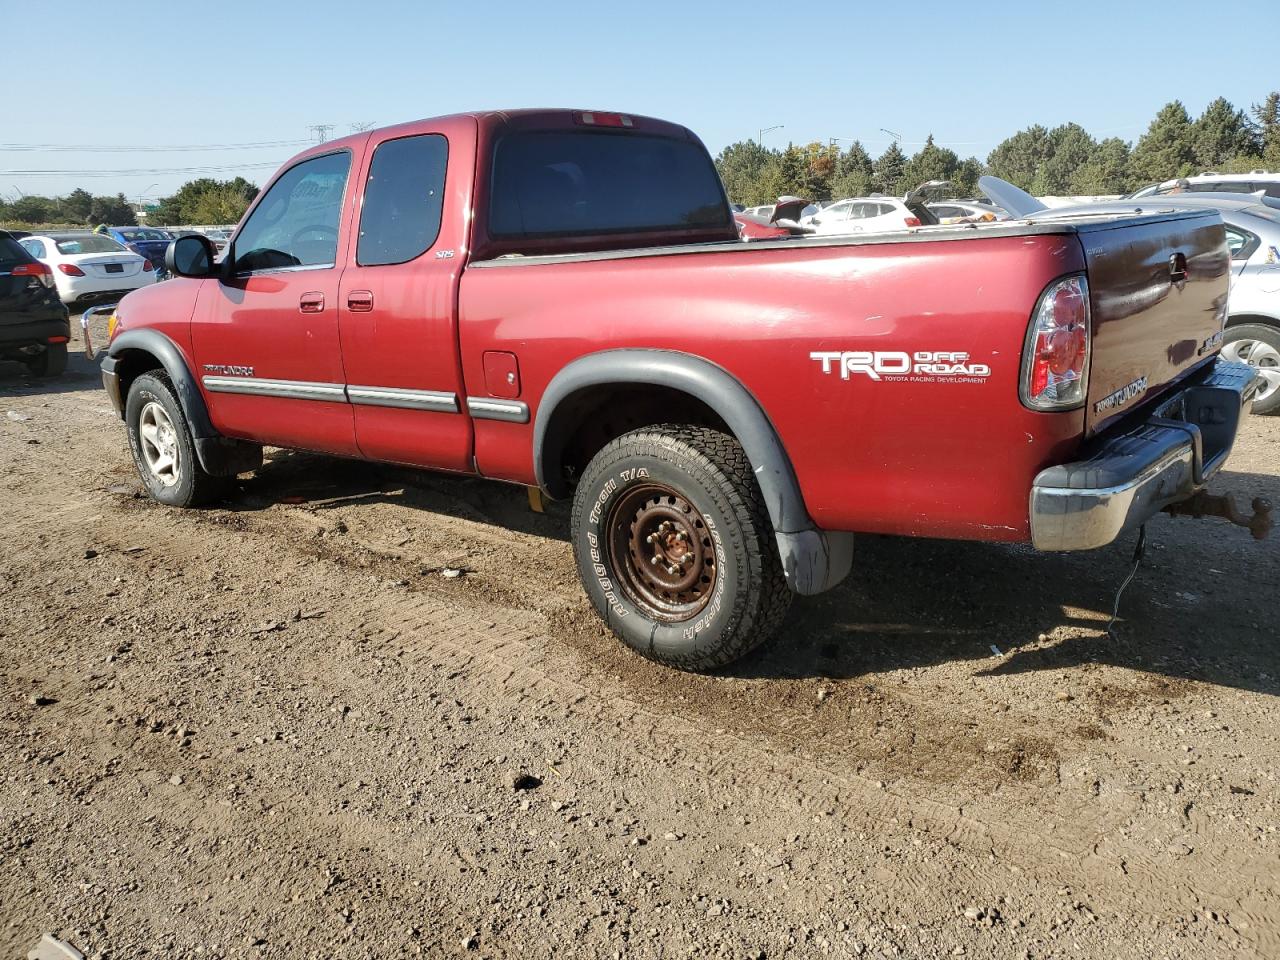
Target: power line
[321,131]
[143,171]
[136,148]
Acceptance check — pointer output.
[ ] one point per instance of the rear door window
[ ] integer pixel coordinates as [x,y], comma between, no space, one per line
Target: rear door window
[400,218]
[91,243]
[34,247]
[296,223]
[552,183]
[12,254]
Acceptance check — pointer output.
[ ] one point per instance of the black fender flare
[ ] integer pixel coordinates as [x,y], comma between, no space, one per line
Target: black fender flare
[813,560]
[219,455]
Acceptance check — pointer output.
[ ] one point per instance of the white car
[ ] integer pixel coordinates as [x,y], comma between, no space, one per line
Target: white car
[89,266]
[866,215]
[963,211]
[1257,181]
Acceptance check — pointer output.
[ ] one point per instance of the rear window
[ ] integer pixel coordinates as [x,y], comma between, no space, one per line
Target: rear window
[558,183]
[11,253]
[90,243]
[132,235]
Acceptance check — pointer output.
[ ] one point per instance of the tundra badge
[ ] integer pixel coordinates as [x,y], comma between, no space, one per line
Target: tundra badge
[1121,396]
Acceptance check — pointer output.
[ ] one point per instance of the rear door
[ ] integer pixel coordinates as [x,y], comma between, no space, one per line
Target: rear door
[397,308]
[266,338]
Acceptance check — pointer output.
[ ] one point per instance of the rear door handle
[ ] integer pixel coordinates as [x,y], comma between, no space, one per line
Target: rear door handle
[311,302]
[360,301]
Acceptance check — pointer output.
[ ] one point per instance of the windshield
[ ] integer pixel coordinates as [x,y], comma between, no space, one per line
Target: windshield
[132,235]
[89,243]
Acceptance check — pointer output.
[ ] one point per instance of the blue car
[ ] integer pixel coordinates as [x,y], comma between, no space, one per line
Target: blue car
[149,242]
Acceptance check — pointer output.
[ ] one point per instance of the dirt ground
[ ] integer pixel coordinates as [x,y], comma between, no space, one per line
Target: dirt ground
[277,729]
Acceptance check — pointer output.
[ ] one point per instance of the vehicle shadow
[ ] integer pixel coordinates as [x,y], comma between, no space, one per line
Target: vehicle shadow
[81,375]
[1201,606]
[328,483]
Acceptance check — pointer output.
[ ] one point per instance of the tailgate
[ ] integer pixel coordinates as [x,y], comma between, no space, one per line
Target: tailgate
[1158,294]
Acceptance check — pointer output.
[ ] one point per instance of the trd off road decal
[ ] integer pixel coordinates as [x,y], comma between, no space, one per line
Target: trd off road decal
[898,366]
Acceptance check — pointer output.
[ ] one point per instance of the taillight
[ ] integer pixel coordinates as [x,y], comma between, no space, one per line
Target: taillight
[912,221]
[71,270]
[39,270]
[591,119]
[146,266]
[1055,362]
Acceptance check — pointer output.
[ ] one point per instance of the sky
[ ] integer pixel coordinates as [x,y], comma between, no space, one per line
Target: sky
[143,78]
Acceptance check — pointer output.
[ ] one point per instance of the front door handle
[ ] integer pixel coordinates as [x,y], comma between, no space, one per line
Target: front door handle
[311,302]
[360,301]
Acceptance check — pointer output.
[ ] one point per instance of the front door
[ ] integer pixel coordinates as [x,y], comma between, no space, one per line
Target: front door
[397,308]
[266,339]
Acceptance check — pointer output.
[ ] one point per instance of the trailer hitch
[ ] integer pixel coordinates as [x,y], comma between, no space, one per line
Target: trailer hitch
[1204,504]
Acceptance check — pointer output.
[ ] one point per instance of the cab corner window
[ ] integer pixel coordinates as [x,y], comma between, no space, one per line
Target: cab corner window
[400,217]
[296,223]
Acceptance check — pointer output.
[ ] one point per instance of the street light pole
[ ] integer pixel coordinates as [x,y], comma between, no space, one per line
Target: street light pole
[764,130]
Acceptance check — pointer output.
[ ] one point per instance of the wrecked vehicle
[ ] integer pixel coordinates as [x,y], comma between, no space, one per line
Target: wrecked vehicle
[560,299]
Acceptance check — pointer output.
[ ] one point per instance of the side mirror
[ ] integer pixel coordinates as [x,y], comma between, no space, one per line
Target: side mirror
[191,256]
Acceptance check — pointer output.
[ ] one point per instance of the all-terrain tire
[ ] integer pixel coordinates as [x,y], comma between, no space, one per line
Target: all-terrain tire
[50,362]
[185,484]
[1257,344]
[698,482]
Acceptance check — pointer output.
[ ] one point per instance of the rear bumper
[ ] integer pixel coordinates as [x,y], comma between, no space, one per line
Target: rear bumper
[35,331]
[1139,470]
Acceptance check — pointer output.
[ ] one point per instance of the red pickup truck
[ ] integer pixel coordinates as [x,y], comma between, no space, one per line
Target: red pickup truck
[561,299]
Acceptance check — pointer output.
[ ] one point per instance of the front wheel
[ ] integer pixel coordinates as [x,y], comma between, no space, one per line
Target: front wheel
[162,446]
[1258,345]
[675,549]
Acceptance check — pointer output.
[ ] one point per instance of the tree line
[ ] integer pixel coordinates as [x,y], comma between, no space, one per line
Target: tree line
[196,201]
[1065,160]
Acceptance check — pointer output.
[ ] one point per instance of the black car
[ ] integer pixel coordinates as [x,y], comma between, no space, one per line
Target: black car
[34,324]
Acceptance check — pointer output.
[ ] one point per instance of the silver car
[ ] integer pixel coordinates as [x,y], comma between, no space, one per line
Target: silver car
[1253,236]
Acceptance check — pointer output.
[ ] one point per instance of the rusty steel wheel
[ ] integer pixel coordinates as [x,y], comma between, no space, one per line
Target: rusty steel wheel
[672,541]
[663,552]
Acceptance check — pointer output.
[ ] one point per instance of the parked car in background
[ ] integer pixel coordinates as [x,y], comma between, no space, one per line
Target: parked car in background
[781,222]
[1252,333]
[765,210]
[219,238]
[966,211]
[149,242]
[1254,182]
[33,320]
[90,267]
[870,215]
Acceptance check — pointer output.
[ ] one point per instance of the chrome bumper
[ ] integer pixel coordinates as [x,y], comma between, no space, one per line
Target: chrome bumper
[1133,474]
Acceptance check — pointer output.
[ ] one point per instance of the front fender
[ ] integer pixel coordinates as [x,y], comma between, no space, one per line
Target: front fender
[813,560]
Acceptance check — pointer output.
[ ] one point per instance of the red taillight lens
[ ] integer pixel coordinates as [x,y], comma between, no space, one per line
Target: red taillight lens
[603,119]
[1055,363]
[38,270]
[71,270]
[146,266]
[912,221]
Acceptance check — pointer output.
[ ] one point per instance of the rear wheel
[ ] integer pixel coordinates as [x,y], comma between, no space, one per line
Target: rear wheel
[675,549]
[1258,345]
[162,446]
[49,362]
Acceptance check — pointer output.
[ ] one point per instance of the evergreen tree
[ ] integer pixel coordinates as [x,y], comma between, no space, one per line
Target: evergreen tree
[1018,158]
[964,182]
[887,174]
[740,166]
[1266,116]
[852,177]
[1068,148]
[1167,149]
[1221,134]
[1106,172]
[76,206]
[931,163]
